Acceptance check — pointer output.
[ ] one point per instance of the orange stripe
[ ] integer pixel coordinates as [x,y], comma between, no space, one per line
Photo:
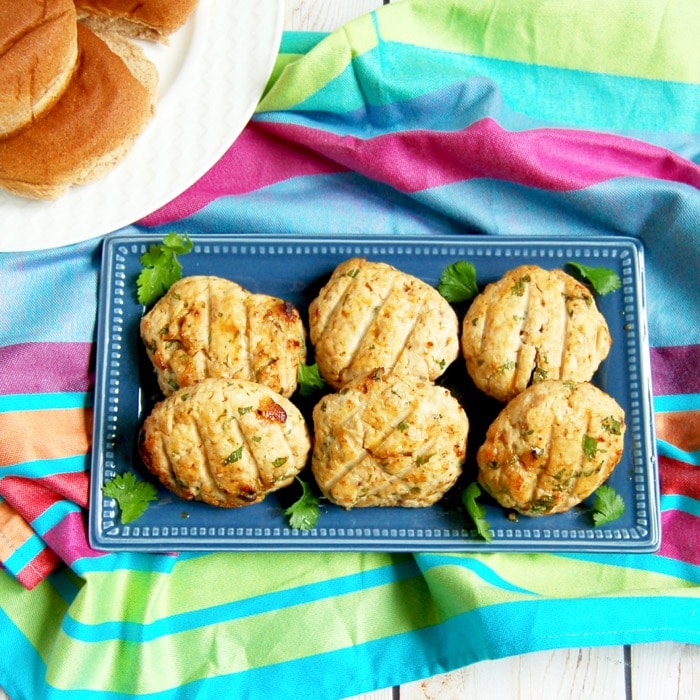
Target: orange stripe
[680,428]
[51,434]
[14,531]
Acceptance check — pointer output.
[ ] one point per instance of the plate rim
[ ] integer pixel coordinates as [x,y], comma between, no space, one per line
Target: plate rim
[309,541]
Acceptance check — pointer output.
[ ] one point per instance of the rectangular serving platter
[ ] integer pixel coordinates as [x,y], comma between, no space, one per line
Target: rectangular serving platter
[294,268]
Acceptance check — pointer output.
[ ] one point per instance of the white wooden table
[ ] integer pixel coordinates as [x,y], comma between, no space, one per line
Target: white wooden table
[640,672]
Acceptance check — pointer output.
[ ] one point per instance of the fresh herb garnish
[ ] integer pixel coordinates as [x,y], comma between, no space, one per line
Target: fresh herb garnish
[602,279]
[131,494]
[161,268]
[589,445]
[458,282]
[309,379]
[304,512]
[476,511]
[608,505]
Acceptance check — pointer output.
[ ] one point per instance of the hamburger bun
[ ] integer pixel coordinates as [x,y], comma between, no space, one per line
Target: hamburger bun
[107,104]
[151,20]
[38,54]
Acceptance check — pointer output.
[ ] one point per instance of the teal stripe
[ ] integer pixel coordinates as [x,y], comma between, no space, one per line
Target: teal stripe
[300,42]
[53,515]
[428,561]
[44,401]
[41,468]
[560,96]
[676,402]
[684,503]
[129,561]
[257,605]
[523,627]
[666,449]
[22,556]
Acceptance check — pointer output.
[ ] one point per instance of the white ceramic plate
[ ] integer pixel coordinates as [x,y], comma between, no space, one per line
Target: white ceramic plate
[211,78]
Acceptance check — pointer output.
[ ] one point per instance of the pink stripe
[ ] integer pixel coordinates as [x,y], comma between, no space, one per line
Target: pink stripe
[45,367]
[256,159]
[69,539]
[552,159]
[674,370]
[681,537]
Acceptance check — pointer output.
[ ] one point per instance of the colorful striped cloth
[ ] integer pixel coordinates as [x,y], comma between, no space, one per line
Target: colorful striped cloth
[442,117]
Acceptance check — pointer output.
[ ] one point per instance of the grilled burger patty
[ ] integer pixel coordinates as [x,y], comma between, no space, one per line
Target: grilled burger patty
[206,326]
[531,325]
[372,315]
[551,447]
[226,443]
[388,440]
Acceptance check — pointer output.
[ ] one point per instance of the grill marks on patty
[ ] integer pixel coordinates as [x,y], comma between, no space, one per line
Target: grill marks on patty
[225,443]
[530,326]
[207,326]
[551,447]
[371,315]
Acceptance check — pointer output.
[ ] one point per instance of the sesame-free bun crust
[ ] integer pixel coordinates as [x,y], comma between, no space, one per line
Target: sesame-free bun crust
[90,129]
[152,20]
[38,53]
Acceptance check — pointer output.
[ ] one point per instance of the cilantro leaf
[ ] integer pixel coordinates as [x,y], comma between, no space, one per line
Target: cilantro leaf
[309,379]
[476,511]
[602,279]
[458,282]
[131,494]
[608,505]
[161,267]
[304,512]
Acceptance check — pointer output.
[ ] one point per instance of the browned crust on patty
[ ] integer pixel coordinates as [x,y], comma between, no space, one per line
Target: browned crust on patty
[551,447]
[226,443]
[388,440]
[529,326]
[371,315]
[208,326]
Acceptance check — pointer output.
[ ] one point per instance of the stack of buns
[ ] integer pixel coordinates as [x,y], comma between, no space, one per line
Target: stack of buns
[75,91]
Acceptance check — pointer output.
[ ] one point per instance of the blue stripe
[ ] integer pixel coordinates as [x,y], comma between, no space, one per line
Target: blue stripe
[666,449]
[143,632]
[36,469]
[44,401]
[429,561]
[677,402]
[53,515]
[684,503]
[23,555]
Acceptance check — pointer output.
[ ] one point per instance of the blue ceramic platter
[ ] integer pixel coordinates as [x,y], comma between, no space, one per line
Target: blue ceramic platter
[294,268]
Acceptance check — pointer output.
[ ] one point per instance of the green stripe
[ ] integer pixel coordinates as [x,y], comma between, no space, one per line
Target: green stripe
[639,38]
[273,636]
[296,572]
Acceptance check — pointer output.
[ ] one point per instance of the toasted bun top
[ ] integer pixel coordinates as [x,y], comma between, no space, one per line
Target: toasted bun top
[162,16]
[38,51]
[94,123]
